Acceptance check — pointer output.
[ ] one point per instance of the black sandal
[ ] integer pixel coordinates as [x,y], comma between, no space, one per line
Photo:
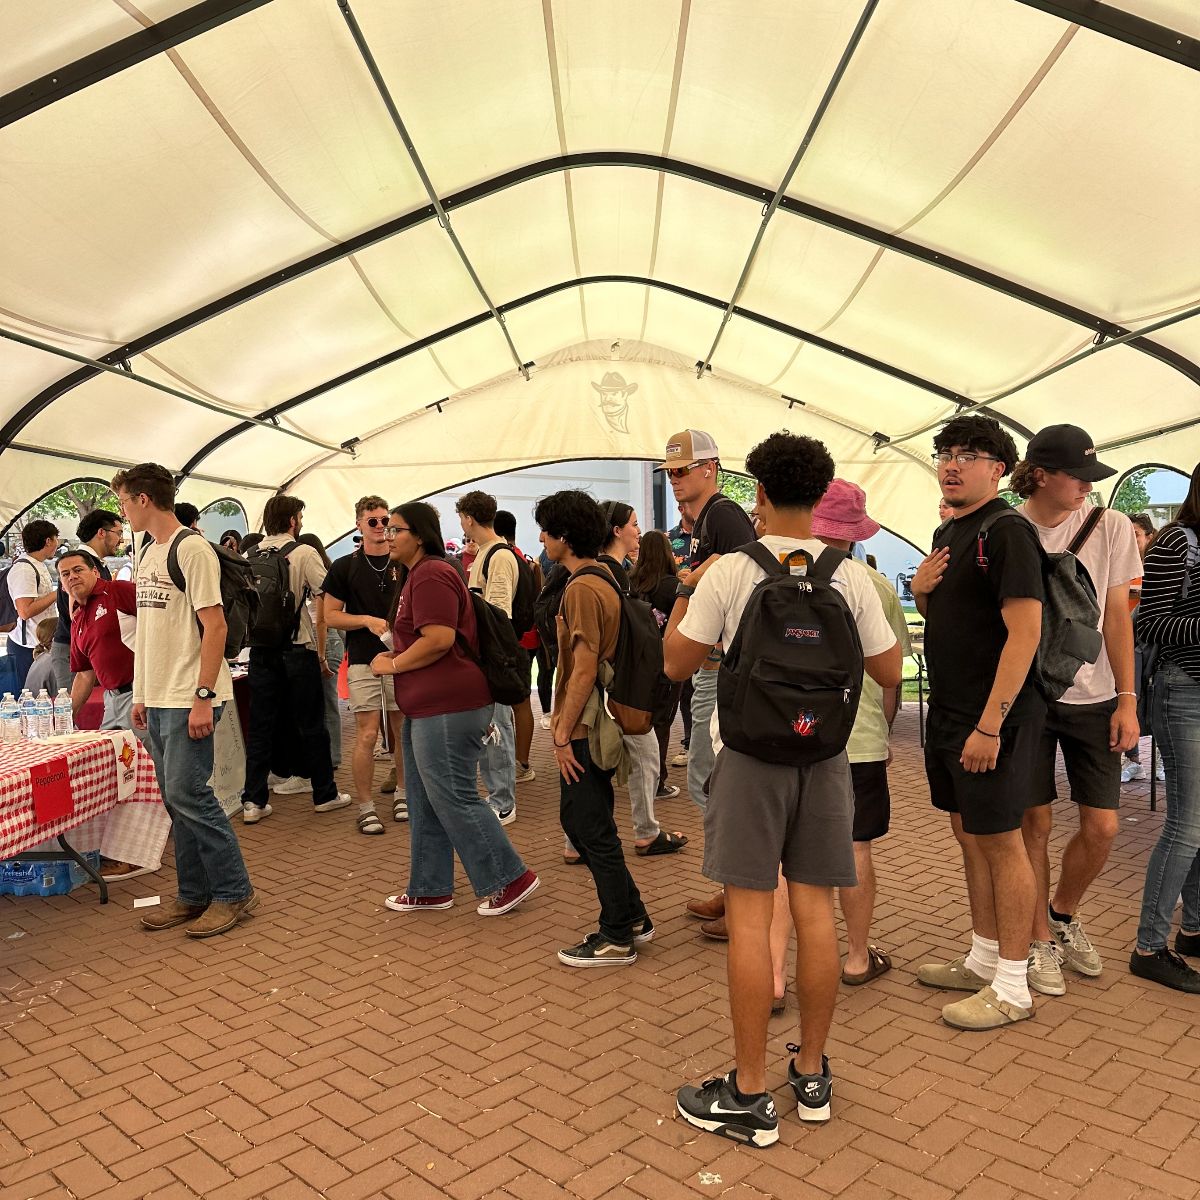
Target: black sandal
[665,843]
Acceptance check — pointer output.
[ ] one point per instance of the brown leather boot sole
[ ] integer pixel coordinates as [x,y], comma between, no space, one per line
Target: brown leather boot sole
[221,917]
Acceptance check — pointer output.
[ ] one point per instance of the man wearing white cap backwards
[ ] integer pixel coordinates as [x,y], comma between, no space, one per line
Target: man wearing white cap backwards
[840,520]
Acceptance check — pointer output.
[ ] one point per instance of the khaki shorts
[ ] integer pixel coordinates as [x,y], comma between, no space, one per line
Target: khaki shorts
[368,692]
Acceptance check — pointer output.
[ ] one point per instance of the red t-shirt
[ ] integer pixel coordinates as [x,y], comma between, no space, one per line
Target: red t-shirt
[434,594]
[96,633]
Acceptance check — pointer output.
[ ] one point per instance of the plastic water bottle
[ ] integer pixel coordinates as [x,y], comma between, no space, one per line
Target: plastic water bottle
[64,721]
[45,714]
[28,716]
[10,720]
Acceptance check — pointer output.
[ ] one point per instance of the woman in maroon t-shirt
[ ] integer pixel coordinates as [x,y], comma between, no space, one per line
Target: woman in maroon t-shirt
[442,691]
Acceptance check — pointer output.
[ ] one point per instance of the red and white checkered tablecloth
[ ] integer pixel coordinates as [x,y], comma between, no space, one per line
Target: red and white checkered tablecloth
[92,767]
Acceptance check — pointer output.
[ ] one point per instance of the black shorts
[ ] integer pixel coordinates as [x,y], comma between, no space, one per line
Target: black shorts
[1093,770]
[989,802]
[872,800]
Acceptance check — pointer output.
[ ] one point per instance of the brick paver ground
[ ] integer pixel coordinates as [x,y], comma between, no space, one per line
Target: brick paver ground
[330,1047]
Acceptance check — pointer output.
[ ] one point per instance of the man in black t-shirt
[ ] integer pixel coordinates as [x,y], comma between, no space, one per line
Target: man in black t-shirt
[359,591]
[982,602]
[719,525]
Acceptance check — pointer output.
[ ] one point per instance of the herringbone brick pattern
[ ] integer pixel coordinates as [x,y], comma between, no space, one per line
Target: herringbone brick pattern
[332,1048]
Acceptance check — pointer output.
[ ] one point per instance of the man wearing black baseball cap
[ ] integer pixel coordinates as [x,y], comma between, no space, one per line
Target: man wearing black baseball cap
[1096,718]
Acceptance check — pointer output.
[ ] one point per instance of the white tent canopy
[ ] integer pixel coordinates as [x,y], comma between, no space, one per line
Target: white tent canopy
[382,245]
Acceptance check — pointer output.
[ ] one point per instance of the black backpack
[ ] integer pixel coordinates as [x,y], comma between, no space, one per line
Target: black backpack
[278,618]
[526,593]
[789,684]
[239,598]
[545,610]
[637,663]
[501,658]
[1070,613]
[8,610]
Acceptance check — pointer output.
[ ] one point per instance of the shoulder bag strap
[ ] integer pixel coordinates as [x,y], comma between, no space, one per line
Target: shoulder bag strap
[1086,530]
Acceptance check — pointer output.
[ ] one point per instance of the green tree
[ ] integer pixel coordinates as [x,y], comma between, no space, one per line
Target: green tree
[737,487]
[72,502]
[1133,496]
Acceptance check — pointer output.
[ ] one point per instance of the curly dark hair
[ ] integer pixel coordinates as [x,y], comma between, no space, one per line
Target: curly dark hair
[574,517]
[91,523]
[983,435]
[794,471]
[479,506]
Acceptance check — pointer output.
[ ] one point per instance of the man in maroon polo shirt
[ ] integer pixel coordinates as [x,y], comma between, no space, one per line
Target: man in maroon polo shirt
[97,649]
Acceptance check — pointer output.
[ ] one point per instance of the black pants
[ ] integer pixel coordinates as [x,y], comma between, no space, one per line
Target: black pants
[586,812]
[662,731]
[545,678]
[685,706]
[287,705]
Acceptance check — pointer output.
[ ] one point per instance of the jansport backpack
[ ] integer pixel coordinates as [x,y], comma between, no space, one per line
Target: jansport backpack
[1070,613]
[278,618]
[239,598]
[527,589]
[637,662]
[789,685]
[505,665]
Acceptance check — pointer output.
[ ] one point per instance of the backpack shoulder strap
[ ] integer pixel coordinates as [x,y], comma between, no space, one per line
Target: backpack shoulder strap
[1086,530]
[999,515]
[287,548]
[827,563]
[173,568]
[487,558]
[600,573]
[762,557]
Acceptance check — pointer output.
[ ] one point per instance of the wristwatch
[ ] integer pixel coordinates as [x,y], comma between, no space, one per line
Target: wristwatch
[204,693]
[683,590]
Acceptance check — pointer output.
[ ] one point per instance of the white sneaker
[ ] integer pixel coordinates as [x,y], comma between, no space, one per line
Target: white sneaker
[1160,772]
[1045,970]
[680,760]
[252,814]
[545,722]
[342,800]
[505,816]
[293,785]
[525,774]
[1131,771]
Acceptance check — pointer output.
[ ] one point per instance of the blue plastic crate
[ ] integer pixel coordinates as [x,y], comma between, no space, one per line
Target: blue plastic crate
[55,878]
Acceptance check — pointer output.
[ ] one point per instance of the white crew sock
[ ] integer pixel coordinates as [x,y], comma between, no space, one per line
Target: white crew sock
[1011,983]
[983,957]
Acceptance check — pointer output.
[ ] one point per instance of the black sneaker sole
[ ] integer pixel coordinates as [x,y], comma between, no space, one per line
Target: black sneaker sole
[759,1138]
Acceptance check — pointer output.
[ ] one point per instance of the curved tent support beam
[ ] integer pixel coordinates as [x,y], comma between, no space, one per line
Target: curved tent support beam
[569,162]
[268,415]
[1125,27]
[50,492]
[769,211]
[128,52]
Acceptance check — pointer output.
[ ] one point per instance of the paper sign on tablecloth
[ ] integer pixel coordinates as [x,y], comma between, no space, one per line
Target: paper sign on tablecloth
[125,748]
[50,783]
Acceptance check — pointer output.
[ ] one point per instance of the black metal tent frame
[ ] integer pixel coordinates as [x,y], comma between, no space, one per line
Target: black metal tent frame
[1098,17]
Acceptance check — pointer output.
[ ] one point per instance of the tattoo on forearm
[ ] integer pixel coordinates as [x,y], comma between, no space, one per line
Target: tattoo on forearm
[1005,705]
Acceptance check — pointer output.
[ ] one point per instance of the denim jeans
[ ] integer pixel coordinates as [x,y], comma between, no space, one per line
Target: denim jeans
[208,859]
[287,708]
[335,651]
[585,809]
[642,749]
[1173,869]
[700,748]
[21,660]
[446,814]
[498,770]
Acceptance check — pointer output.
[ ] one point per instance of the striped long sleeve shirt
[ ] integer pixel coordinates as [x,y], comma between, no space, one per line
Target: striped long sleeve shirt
[1163,619]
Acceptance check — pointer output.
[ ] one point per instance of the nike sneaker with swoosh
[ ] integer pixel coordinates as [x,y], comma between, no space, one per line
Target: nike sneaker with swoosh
[714,1107]
[813,1092]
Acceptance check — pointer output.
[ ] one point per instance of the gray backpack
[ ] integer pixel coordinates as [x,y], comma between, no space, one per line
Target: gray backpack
[1070,612]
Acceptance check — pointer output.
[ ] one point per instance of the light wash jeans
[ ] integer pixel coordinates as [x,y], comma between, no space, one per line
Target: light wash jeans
[1173,869]
[498,770]
[700,748]
[208,858]
[446,815]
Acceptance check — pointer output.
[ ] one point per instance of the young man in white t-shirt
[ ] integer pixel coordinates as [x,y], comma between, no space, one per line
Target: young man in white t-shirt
[1096,719]
[32,590]
[761,816]
[180,682]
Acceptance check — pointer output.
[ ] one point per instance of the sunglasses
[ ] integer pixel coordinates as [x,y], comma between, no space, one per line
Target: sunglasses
[683,472]
[376,522]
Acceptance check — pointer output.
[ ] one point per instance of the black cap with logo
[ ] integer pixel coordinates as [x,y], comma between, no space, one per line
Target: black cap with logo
[1067,448]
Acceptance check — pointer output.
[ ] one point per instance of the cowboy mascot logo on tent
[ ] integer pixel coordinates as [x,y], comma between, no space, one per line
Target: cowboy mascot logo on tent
[614,400]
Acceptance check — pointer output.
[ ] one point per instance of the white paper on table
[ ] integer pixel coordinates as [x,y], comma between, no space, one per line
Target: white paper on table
[124,746]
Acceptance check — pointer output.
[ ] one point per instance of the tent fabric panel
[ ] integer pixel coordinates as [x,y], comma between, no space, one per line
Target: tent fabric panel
[614,219]
[504,115]
[133,248]
[38,42]
[25,371]
[1042,203]
[928,84]
[683,325]
[549,325]
[742,108]
[1180,15]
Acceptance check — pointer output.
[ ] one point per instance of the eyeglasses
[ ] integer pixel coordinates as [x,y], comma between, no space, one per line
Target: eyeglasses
[375,522]
[944,458]
[393,530]
[683,472]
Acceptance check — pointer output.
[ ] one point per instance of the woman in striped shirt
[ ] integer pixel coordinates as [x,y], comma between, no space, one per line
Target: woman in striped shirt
[1169,619]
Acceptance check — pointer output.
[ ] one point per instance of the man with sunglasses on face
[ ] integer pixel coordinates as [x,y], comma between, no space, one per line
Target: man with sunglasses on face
[359,591]
[981,596]
[719,525]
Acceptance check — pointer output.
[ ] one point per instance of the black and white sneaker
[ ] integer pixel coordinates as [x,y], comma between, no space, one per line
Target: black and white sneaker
[714,1107]
[597,951]
[644,933]
[813,1092]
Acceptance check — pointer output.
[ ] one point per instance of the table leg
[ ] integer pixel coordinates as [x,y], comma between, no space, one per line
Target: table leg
[95,876]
